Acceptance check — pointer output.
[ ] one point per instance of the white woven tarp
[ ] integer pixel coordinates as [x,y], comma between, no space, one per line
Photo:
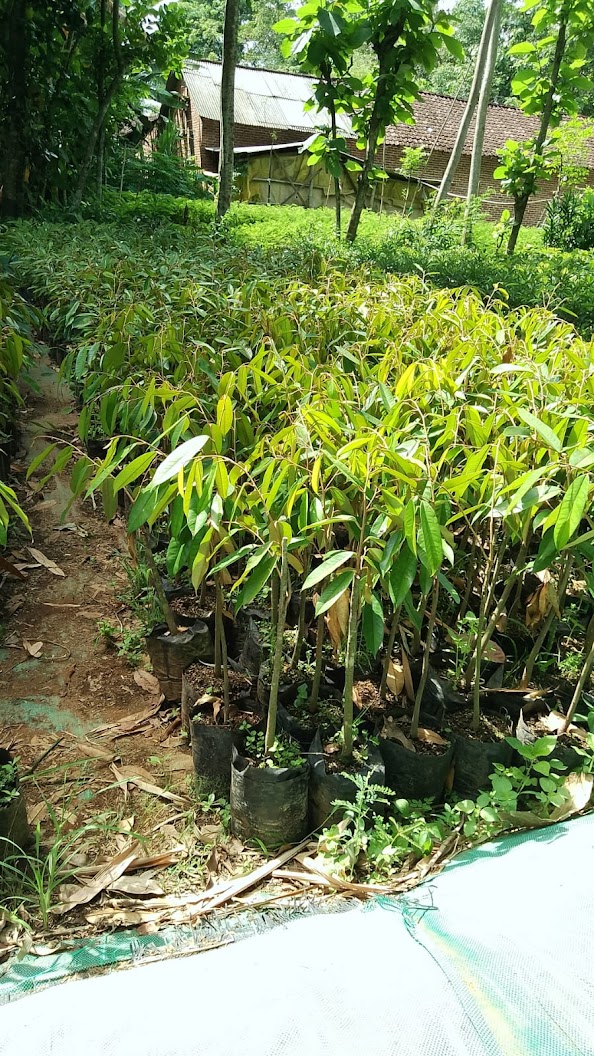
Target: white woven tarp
[493,958]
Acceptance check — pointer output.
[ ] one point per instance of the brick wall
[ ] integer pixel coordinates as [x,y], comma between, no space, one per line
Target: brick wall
[204,135]
[245,136]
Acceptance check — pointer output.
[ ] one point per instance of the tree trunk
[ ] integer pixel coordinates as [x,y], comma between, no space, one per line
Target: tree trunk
[363,180]
[467,116]
[481,115]
[337,200]
[98,124]
[521,202]
[226,162]
[102,109]
[14,151]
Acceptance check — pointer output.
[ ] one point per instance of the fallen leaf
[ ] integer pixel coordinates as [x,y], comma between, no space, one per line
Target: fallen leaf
[130,771]
[33,648]
[337,619]
[430,737]
[94,751]
[494,653]
[129,723]
[393,732]
[146,681]
[408,682]
[395,679]
[14,604]
[11,569]
[46,562]
[161,793]
[141,885]
[542,601]
[578,789]
[212,866]
[179,762]
[71,527]
[106,876]
[58,605]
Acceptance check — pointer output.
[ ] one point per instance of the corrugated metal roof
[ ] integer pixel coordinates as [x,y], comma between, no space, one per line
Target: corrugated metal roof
[262,98]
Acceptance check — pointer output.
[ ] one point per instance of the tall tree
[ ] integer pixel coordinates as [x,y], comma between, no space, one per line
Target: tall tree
[550,85]
[226,156]
[469,109]
[15,36]
[481,114]
[403,36]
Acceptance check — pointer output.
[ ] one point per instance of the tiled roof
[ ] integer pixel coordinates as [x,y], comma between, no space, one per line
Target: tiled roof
[269,99]
[438,117]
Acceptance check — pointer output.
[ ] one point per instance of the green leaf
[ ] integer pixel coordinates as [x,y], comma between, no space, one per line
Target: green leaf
[109,498]
[334,590]
[401,576]
[430,539]
[329,565]
[141,510]
[571,510]
[258,579]
[544,431]
[230,559]
[225,414]
[178,459]
[373,624]
[135,469]
[40,458]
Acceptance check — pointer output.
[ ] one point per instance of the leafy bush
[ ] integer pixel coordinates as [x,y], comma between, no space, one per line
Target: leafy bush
[569,221]
[145,206]
[162,171]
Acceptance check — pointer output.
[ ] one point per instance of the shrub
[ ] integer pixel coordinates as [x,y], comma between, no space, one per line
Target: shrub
[569,221]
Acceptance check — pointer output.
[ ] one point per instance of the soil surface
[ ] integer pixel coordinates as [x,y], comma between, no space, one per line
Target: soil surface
[101,721]
[492,728]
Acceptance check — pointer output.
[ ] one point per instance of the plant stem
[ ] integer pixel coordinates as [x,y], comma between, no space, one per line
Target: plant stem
[389,649]
[158,585]
[548,623]
[482,642]
[274,596]
[414,726]
[349,669]
[315,687]
[416,642]
[225,661]
[476,688]
[219,630]
[300,632]
[584,675]
[469,582]
[282,603]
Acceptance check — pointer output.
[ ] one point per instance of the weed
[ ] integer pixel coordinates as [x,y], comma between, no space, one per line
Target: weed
[284,752]
[8,783]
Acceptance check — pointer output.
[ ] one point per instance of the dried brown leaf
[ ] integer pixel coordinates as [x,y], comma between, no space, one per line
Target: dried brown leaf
[106,876]
[393,732]
[139,886]
[395,679]
[34,649]
[148,682]
[15,603]
[46,562]
[408,682]
[337,619]
[10,569]
[94,751]
[430,737]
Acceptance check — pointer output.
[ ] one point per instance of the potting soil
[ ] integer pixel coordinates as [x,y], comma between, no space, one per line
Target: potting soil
[491,958]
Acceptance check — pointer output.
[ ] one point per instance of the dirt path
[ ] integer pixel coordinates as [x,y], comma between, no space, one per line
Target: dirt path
[74,683]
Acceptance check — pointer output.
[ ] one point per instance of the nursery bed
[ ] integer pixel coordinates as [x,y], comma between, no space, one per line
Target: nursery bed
[427,973]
